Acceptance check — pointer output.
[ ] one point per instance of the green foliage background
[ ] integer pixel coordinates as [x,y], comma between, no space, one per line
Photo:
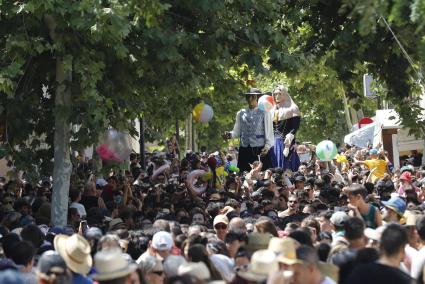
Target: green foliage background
[156,59]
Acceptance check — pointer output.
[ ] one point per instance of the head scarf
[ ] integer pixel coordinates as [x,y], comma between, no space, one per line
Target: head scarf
[286,108]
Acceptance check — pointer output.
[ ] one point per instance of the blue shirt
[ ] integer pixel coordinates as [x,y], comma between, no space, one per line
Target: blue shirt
[80,279]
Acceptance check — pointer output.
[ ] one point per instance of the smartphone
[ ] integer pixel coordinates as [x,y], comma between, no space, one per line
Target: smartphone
[84,227]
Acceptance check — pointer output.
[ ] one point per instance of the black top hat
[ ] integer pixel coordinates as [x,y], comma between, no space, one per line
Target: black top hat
[253,91]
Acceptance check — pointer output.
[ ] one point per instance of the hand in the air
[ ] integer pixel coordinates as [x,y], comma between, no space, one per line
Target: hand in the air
[264,152]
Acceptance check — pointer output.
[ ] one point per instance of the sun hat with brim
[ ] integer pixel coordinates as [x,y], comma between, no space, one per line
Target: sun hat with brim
[75,250]
[196,269]
[111,264]
[411,217]
[263,263]
[285,249]
[397,204]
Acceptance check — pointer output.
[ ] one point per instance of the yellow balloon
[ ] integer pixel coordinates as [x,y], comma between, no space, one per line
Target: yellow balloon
[220,171]
[197,111]
[341,159]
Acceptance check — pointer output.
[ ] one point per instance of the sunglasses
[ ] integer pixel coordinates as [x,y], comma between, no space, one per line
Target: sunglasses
[241,268]
[220,226]
[159,273]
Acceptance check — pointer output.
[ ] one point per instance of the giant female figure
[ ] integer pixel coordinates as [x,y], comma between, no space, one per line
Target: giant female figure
[286,121]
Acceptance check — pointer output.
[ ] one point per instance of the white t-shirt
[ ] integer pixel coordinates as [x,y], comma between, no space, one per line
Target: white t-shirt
[327,280]
[417,263]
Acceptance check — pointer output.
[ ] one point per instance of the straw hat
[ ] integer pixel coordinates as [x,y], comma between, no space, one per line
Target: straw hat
[285,249]
[75,250]
[263,263]
[195,269]
[112,264]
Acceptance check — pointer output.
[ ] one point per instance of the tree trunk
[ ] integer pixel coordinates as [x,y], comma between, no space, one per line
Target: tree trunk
[347,113]
[62,163]
[142,143]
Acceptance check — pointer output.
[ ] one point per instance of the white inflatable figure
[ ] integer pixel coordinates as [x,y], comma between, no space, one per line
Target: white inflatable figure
[288,141]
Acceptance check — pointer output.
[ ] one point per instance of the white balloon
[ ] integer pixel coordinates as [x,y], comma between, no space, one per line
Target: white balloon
[207,114]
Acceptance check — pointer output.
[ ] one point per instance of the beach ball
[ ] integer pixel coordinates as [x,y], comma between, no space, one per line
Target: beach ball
[114,146]
[202,112]
[266,103]
[326,150]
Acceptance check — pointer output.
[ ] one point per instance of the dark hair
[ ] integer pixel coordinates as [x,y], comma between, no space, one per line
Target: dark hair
[354,228]
[33,234]
[121,280]
[308,254]
[235,236]
[420,227]
[319,183]
[137,244]
[367,255]
[394,238]
[232,203]
[197,253]
[73,194]
[357,189]
[323,251]
[302,236]
[310,221]
[8,242]
[265,225]
[22,253]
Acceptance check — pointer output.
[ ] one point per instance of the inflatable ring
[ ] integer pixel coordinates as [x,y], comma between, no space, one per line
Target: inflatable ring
[192,178]
[159,171]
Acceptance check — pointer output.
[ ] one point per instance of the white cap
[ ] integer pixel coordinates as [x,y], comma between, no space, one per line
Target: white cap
[162,241]
[101,182]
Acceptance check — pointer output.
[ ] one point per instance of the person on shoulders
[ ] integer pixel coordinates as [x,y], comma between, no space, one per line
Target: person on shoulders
[358,206]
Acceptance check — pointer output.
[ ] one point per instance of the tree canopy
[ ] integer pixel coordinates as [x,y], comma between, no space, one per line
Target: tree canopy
[156,59]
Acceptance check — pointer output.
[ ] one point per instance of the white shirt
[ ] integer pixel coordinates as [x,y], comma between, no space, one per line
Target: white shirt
[417,263]
[327,280]
[268,129]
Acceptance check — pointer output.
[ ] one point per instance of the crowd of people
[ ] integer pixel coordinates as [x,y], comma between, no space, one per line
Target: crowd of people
[352,220]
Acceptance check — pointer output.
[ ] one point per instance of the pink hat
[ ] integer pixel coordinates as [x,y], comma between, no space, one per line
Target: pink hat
[407,176]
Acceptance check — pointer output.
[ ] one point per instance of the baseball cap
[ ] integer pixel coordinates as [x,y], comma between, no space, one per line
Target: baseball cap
[101,182]
[220,219]
[397,204]
[338,218]
[162,241]
[51,262]
[373,152]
